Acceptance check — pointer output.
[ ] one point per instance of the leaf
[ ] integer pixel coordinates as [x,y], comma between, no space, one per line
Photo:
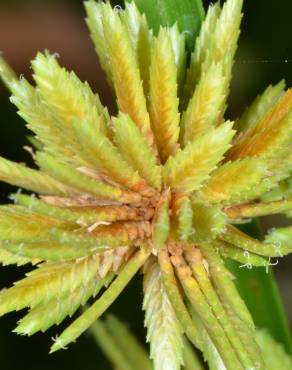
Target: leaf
[187,13]
[163,99]
[191,359]
[273,352]
[106,341]
[206,152]
[135,150]
[163,329]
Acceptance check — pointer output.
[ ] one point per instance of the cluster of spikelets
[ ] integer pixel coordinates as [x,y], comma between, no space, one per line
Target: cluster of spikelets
[158,186]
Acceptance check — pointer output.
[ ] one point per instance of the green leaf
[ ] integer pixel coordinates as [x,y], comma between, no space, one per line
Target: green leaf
[187,13]
[259,291]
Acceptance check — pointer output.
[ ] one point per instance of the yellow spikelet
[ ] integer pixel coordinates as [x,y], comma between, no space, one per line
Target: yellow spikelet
[94,23]
[260,106]
[191,166]
[127,79]
[50,280]
[204,109]
[136,150]
[163,95]
[233,181]
[202,46]
[141,39]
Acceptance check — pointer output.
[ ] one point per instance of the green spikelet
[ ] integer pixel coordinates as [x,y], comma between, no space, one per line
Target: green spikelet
[234,181]
[135,149]
[49,281]
[20,225]
[20,175]
[204,109]
[260,106]
[206,152]
[164,331]
[163,95]
[8,258]
[106,157]
[94,23]
[68,175]
[97,309]
[124,66]
[141,38]
[43,316]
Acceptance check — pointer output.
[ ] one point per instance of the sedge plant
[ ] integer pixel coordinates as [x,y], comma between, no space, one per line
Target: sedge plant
[157,186]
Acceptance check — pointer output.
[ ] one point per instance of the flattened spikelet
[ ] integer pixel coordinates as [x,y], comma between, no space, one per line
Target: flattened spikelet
[163,95]
[206,152]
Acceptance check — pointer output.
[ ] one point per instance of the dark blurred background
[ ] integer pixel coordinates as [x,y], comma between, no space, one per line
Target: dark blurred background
[264,56]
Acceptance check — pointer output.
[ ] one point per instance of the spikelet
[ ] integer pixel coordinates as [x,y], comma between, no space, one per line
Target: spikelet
[27,178]
[106,157]
[204,109]
[43,316]
[49,281]
[164,332]
[124,66]
[141,38]
[202,45]
[179,171]
[163,95]
[259,107]
[96,310]
[135,149]
[95,25]
[233,181]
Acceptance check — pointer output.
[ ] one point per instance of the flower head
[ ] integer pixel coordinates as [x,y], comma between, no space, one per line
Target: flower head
[159,186]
